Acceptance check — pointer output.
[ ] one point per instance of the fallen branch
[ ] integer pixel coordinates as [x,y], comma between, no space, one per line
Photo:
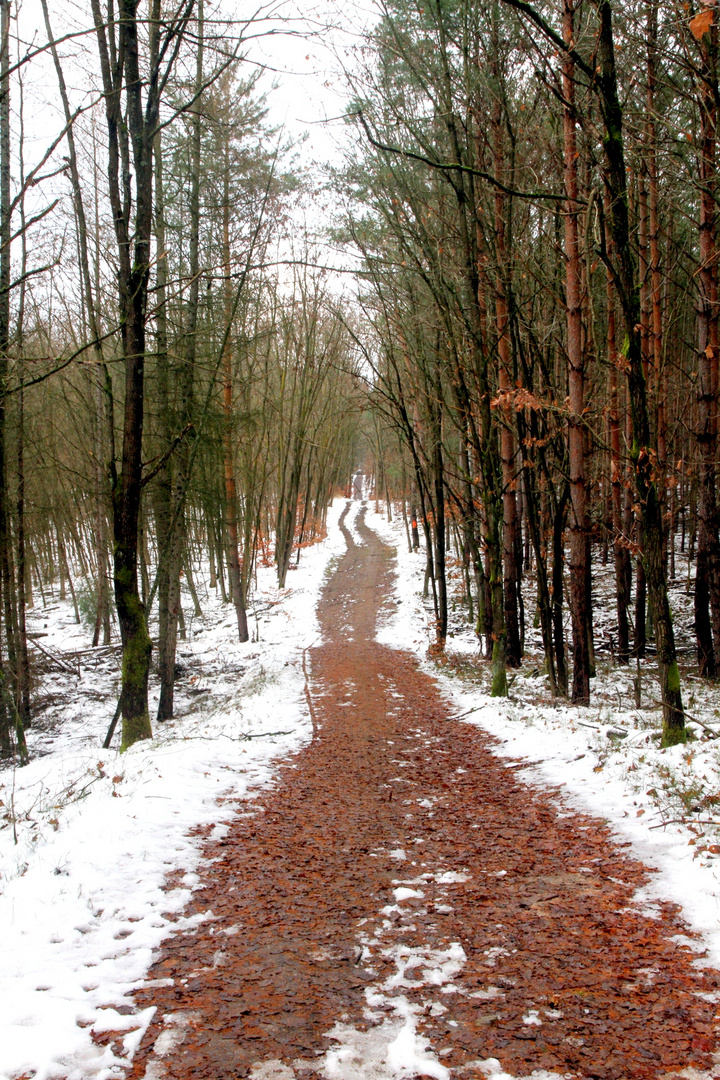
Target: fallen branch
[267,607]
[244,737]
[98,651]
[13,818]
[308,696]
[70,795]
[55,659]
[694,719]
[267,734]
[77,795]
[703,725]
[685,821]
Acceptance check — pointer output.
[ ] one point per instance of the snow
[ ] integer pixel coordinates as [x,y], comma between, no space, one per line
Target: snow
[89,836]
[393,1047]
[390,1049]
[406,894]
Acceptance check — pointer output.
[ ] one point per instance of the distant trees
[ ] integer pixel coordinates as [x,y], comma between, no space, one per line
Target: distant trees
[165,395]
[533,192]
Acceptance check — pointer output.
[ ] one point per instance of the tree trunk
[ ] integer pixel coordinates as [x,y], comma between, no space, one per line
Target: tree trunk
[231,500]
[176,483]
[557,585]
[707,631]
[169,496]
[8,683]
[131,129]
[620,540]
[579,563]
[641,452]
[439,520]
[507,440]
[543,591]
[23,669]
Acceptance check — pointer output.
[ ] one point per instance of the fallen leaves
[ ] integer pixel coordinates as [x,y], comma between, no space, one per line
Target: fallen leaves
[543,909]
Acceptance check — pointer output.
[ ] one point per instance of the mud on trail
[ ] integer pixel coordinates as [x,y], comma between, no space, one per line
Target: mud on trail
[398,878]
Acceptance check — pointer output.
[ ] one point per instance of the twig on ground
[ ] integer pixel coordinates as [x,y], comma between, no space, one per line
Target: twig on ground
[113,723]
[70,795]
[685,821]
[266,607]
[12,807]
[98,651]
[77,795]
[703,725]
[243,737]
[308,696]
[695,720]
[266,734]
[476,708]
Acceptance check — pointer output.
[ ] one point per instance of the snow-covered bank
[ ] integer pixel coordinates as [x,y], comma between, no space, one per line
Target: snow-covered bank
[88,837]
[606,757]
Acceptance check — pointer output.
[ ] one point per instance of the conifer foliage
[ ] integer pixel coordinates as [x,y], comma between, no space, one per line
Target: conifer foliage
[533,193]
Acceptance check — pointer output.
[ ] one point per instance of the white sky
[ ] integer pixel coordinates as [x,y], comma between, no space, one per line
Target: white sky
[303,57]
[309,88]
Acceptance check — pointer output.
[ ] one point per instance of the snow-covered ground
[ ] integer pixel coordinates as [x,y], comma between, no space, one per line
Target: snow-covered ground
[89,836]
[606,757]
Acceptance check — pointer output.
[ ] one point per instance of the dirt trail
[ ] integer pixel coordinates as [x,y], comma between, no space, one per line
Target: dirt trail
[521,943]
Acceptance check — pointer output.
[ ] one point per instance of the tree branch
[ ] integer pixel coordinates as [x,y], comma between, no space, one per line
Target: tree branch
[533,196]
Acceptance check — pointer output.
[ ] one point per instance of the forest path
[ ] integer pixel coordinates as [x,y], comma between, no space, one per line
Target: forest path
[400,903]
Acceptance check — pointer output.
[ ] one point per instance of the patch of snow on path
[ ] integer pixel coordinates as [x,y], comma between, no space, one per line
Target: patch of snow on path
[390,1049]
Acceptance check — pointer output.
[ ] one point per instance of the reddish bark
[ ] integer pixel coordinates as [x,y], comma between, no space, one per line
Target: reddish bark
[707,603]
[656,339]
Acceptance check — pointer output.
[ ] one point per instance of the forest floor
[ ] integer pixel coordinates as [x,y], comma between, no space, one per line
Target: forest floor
[400,901]
[380,891]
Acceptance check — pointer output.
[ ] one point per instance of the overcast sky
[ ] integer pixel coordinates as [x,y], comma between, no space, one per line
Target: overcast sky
[303,57]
